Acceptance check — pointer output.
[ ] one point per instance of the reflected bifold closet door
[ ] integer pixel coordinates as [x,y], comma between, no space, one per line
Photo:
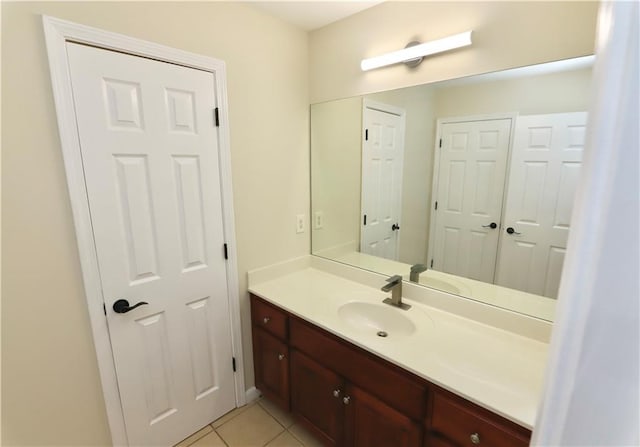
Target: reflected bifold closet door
[546,160]
[502,208]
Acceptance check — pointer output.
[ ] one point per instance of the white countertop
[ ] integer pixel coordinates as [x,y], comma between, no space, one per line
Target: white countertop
[494,368]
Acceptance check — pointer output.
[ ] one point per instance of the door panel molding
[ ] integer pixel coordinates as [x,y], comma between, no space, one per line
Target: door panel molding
[57,34]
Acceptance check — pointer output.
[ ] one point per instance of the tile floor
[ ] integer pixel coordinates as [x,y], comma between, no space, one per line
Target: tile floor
[258,424]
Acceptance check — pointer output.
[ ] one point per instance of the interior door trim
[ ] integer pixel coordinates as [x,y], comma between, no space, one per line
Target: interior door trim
[57,33]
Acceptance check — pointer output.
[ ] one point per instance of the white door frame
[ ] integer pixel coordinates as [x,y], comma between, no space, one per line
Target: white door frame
[57,34]
[436,167]
[393,110]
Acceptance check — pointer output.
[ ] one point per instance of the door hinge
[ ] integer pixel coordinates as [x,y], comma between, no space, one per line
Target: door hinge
[432,263]
[226,252]
[438,146]
[365,219]
[366,135]
[436,205]
[104,308]
[233,363]
[216,117]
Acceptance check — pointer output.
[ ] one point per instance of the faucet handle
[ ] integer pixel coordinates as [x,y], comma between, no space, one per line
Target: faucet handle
[394,279]
[419,268]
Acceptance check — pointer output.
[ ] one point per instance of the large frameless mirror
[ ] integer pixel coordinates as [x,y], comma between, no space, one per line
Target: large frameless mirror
[465,185]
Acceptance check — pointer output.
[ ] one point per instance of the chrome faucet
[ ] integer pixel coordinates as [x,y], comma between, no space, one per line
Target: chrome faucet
[394,285]
[416,269]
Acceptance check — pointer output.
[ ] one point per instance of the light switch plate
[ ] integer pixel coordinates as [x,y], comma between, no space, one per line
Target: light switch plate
[300,223]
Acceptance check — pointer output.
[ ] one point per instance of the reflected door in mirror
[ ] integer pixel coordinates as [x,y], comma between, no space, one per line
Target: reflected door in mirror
[469,192]
[544,171]
[382,155]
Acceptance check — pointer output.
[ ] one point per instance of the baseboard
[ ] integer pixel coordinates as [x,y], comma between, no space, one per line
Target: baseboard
[252,394]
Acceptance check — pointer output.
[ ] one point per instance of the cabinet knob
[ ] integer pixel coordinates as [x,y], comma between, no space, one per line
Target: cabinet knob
[346,400]
[336,393]
[265,320]
[280,356]
[475,438]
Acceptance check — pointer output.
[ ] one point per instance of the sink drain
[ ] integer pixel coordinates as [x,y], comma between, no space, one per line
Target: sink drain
[382,334]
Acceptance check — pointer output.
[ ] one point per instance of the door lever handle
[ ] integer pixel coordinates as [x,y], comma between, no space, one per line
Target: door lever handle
[122,306]
[492,225]
[395,227]
[510,230]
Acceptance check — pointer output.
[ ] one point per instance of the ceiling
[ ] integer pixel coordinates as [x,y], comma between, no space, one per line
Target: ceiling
[310,14]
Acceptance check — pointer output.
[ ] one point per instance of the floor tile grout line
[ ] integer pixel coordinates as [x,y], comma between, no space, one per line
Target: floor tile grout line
[267,412]
[246,407]
[221,438]
[293,423]
[197,439]
[295,437]
[213,429]
[220,435]
[274,417]
[266,443]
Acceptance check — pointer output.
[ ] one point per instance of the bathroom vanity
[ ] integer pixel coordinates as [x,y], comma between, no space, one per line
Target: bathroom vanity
[357,372]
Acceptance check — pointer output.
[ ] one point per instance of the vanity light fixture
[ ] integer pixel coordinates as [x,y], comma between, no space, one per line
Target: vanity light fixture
[413,53]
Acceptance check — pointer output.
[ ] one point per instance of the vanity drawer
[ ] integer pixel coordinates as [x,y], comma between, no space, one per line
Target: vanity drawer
[466,424]
[388,382]
[268,317]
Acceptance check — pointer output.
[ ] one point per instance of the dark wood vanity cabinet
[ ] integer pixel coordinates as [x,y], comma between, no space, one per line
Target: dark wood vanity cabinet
[347,396]
[371,422]
[340,413]
[316,398]
[454,421]
[270,352]
[373,400]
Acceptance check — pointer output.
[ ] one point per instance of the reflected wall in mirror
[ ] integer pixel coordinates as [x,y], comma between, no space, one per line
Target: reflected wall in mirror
[465,185]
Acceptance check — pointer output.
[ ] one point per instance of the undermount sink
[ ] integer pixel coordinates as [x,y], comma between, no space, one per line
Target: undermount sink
[376,318]
[440,285]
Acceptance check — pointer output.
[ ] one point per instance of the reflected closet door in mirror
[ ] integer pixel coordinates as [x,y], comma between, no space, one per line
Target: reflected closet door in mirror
[469,177]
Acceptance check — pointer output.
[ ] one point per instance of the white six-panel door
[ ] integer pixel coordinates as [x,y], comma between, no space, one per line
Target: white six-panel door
[545,165]
[469,192]
[150,156]
[382,157]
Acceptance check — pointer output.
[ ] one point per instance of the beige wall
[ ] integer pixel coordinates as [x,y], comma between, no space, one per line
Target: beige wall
[336,164]
[567,91]
[51,393]
[506,34]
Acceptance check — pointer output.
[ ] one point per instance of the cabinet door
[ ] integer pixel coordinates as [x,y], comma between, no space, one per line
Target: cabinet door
[316,398]
[370,422]
[271,364]
[465,424]
[436,441]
